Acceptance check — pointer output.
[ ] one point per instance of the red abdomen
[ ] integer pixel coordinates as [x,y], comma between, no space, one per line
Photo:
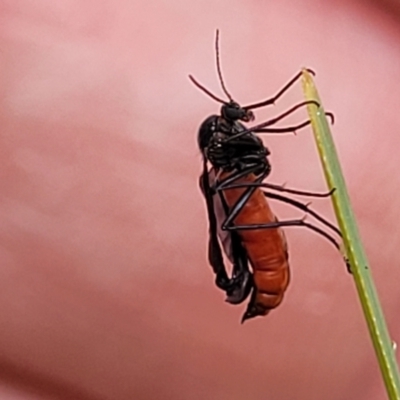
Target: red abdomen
[266,248]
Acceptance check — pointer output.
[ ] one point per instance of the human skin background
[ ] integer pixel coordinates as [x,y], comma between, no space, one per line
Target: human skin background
[105,290]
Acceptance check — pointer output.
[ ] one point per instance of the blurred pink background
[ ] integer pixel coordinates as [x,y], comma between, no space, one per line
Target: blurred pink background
[105,290]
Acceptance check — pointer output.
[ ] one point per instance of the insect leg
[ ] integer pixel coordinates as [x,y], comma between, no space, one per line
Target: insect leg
[241,281]
[281,188]
[243,198]
[242,278]
[303,207]
[288,200]
[253,165]
[214,249]
[286,129]
[227,182]
[239,286]
[277,224]
[238,206]
[272,100]
[273,120]
[261,129]
[287,113]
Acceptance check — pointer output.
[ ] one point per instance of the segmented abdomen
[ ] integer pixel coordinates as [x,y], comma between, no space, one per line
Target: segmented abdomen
[266,249]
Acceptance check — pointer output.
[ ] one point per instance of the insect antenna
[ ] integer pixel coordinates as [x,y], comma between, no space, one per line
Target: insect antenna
[219,66]
[221,80]
[206,91]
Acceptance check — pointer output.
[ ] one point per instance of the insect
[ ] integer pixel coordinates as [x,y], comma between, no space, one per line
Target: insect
[241,222]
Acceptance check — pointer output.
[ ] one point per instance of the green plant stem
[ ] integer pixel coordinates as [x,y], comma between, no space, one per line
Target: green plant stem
[352,244]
